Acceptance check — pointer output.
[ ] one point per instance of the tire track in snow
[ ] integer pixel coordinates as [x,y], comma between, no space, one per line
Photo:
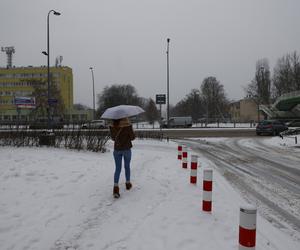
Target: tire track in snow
[288,177]
[293,154]
[293,173]
[233,173]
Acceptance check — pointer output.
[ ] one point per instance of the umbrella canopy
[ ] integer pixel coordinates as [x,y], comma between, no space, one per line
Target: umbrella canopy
[122,111]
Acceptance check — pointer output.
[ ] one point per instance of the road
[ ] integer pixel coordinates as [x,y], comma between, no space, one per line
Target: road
[202,132]
[265,175]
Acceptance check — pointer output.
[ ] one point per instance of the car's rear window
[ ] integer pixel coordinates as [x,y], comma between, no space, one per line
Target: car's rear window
[265,123]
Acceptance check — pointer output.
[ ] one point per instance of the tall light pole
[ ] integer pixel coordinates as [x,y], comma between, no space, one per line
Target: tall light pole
[259,92]
[48,64]
[168,94]
[91,68]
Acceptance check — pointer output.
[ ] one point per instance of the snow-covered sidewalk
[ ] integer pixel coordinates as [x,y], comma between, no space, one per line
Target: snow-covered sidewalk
[62,199]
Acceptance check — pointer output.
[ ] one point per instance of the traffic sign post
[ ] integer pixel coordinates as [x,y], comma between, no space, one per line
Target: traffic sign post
[52,101]
[160,99]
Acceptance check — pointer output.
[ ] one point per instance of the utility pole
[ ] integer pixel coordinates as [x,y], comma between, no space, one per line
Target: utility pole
[94,110]
[48,65]
[168,93]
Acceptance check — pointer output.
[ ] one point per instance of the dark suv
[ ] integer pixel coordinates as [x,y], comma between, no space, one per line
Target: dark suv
[271,127]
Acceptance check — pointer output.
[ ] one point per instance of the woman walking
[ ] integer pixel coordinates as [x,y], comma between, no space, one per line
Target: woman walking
[122,134]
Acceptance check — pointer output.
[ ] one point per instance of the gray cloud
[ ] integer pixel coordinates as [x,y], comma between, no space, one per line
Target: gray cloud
[125,40]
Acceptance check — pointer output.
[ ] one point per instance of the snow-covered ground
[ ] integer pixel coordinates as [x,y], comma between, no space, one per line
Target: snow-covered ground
[146,125]
[62,199]
[287,142]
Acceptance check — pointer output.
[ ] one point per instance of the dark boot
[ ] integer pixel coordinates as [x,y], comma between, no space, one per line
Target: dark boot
[128,185]
[116,192]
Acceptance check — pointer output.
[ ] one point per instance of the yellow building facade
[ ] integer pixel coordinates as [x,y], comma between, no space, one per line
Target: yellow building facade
[245,110]
[17,82]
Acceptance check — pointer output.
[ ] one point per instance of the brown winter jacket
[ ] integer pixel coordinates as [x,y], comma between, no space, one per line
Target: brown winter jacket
[122,135]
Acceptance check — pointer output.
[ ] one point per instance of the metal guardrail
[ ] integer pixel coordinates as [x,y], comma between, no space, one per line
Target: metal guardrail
[288,95]
[210,123]
[267,110]
[39,125]
[295,131]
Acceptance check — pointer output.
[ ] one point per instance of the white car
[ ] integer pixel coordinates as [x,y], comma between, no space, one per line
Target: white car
[178,122]
[95,124]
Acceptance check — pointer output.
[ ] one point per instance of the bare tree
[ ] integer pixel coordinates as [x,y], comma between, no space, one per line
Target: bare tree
[79,106]
[286,76]
[117,95]
[152,114]
[191,105]
[295,61]
[40,92]
[260,87]
[214,98]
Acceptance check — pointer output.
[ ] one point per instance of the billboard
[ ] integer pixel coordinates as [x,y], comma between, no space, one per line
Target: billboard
[25,102]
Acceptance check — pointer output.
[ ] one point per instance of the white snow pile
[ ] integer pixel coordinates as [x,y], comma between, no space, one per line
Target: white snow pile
[62,199]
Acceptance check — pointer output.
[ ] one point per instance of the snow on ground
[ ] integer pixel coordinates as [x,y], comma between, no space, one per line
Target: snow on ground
[146,125]
[62,199]
[285,142]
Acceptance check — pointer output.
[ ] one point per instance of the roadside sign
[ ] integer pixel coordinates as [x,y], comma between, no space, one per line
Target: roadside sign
[52,101]
[160,99]
[25,102]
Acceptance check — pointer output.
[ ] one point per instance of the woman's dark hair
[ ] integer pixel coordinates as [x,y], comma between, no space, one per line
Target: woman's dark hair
[116,122]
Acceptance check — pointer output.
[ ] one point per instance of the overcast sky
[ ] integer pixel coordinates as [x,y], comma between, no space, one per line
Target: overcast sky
[125,41]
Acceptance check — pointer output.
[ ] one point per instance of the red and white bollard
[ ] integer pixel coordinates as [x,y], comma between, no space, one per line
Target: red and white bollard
[184,157]
[179,157]
[207,190]
[247,231]
[194,166]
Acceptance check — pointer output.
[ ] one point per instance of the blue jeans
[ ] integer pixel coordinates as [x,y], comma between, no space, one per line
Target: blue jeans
[118,155]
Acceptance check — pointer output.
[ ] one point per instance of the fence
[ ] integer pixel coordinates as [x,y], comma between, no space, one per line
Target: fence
[201,124]
[73,137]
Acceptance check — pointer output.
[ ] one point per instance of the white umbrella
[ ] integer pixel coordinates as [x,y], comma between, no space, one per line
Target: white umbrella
[122,111]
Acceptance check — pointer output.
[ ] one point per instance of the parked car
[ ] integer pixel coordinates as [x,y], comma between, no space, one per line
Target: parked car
[178,122]
[95,124]
[271,127]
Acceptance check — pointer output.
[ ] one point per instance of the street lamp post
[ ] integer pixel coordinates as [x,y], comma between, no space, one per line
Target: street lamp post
[259,91]
[257,103]
[48,64]
[168,94]
[91,68]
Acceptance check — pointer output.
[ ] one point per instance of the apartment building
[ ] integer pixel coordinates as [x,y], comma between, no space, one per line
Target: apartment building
[17,82]
[245,110]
